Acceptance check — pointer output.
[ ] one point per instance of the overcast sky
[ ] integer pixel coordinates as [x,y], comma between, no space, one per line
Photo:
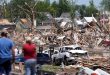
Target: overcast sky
[96,2]
[86,2]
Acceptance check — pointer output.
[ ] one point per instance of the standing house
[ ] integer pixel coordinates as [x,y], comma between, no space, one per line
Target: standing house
[46,26]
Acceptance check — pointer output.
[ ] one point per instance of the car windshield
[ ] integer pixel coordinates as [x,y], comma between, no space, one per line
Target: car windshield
[78,48]
[46,55]
[68,48]
[39,55]
[71,48]
[42,55]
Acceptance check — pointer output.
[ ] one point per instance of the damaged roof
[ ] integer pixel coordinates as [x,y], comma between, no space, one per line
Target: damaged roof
[5,22]
[90,19]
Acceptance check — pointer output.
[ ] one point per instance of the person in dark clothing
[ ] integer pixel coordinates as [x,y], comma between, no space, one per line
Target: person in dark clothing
[51,47]
[40,49]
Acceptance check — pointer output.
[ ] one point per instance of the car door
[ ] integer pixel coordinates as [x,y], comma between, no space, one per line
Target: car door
[65,53]
[39,58]
[62,53]
[55,55]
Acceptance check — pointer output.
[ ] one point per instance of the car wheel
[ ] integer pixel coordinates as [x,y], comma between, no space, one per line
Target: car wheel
[65,60]
[59,61]
[54,61]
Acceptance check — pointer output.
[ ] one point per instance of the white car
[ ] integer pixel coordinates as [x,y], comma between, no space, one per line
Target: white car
[47,51]
[67,53]
[60,56]
[76,50]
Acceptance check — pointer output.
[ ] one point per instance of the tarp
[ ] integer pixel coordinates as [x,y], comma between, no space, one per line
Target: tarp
[89,71]
[60,37]
[86,70]
[79,22]
[63,24]
[90,19]
[102,72]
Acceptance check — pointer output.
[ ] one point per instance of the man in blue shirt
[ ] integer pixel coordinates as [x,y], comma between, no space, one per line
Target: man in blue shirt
[6,54]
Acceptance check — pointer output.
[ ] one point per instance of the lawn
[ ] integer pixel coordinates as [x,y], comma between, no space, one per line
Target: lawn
[51,68]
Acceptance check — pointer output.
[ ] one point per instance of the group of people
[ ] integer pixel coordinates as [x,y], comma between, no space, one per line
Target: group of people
[7,55]
[27,42]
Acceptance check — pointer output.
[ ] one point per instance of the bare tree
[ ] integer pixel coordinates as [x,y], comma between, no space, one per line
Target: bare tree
[30,12]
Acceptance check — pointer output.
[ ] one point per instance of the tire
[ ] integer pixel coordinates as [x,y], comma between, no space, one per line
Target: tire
[54,61]
[65,60]
[59,61]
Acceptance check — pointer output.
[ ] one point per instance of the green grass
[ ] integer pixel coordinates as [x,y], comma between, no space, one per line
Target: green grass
[51,68]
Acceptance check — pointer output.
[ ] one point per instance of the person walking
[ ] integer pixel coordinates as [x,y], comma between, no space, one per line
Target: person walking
[40,49]
[6,54]
[29,51]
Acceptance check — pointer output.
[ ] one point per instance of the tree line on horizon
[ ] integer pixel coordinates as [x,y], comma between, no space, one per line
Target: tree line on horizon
[32,8]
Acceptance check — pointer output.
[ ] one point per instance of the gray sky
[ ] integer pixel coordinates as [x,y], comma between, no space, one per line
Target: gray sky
[86,2]
[96,2]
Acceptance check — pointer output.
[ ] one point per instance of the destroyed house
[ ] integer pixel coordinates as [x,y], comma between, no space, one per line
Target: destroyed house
[4,23]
